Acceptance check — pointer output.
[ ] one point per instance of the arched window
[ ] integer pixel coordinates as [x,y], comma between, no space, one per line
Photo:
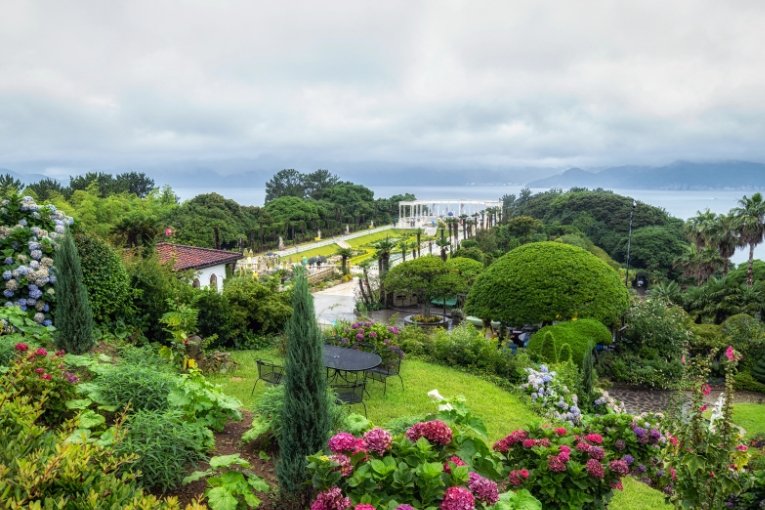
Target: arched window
[214,281]
[195,283]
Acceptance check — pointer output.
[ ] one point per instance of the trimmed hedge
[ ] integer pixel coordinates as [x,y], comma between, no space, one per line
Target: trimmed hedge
[580,336]
[545,282]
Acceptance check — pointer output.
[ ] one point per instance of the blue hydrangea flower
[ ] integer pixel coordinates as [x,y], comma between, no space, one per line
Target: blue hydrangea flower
[8,293]
[8,261]
[7,275]
[47,322]
[36,254]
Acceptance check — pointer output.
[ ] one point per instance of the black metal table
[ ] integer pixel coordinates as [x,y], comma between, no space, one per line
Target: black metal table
[342,359]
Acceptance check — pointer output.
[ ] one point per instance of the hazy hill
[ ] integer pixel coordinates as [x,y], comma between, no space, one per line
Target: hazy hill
[681,175]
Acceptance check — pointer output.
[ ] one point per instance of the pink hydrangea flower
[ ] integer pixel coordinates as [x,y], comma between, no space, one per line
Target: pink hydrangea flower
[378,440]
[331,499]
[453,460]
[485,490]
[343,463]
[435,431]
[597,453]
[518,476]
[595,469]
[594,438]
[515,437]
[364,506]
[46,377]
[405,507]
[344,442]
[556,464]
[457,498]
[620,467]
[41,352]
[561,431]
[22,347]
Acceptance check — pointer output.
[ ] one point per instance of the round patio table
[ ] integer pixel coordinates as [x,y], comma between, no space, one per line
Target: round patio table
[342,359]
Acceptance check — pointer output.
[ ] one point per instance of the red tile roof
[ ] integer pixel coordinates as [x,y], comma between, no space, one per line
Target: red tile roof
[193,257]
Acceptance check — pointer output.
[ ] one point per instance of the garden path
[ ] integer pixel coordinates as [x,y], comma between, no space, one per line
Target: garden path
[644,400]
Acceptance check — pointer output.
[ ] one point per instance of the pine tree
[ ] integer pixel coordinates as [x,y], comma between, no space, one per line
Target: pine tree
[305,416]
[74,318]
[588,381]
[758,368]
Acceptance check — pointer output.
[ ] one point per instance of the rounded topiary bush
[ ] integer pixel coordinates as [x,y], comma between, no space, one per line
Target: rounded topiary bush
[580,336]
[547,281]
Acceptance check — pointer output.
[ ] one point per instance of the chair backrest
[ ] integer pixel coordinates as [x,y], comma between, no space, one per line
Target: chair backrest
[352,393]
[269,371]
[392,366]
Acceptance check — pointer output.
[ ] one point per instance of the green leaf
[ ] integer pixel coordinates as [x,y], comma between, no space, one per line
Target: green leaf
[80,403]
[90,420]
[252,500]
[258,483]
[196,475]
[228,460]
[219,498]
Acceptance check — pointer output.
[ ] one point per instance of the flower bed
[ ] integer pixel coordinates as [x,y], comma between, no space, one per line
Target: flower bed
[368,335]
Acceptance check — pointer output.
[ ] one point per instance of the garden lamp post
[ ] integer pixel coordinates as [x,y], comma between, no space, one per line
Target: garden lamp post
[629,245]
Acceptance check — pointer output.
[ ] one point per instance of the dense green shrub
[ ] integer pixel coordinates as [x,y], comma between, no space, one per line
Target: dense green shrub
[427,278]
[466,346]
[106,279]
[631,368]
[581,336]
[214,318]
[545,282]
[42,469]
[747,336]
[166,444]
[156,286]
[705,338]
[655,328]
[255,308]
[141,387]
[414,340]
[74,318]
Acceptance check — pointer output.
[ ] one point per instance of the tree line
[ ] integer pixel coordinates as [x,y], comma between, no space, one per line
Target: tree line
[131,211]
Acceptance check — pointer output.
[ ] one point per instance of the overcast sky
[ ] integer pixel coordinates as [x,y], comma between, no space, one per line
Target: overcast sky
[332,84]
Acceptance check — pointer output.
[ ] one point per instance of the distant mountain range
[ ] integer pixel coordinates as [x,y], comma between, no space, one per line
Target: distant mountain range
[681,175]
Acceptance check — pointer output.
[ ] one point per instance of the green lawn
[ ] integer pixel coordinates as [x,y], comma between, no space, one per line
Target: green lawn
[321,251]
[751,417]
[357,242]
[502,411]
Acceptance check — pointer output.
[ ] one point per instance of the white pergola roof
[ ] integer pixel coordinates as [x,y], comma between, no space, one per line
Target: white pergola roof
[486,203]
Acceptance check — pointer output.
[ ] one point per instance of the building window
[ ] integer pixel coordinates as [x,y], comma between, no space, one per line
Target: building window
[214,281]
[195,283]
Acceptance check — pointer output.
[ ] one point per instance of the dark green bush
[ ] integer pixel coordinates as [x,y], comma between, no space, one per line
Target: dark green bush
[255,308]
[156,285]
[106,279]
[581,336]
[465,346]
[414,340]
[142,387]
[545,282]
[166,445]
[705,338]
[650,371]
[214,319]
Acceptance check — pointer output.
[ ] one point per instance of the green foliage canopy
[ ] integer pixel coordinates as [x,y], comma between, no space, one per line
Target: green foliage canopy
[545,282]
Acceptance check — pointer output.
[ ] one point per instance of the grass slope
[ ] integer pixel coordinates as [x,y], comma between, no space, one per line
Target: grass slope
[502,411]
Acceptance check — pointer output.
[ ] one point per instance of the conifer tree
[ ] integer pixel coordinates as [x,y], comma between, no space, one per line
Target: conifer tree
[74,318]
[588,381]
[565,354]
[305,416]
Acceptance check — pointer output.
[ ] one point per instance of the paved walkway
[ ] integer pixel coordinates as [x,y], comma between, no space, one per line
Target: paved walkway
[640,401]
[330,240]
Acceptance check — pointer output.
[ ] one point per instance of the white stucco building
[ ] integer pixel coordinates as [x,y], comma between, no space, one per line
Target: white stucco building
[209,266]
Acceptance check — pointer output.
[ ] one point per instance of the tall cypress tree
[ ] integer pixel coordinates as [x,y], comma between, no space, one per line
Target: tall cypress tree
[74,318]
[305,420]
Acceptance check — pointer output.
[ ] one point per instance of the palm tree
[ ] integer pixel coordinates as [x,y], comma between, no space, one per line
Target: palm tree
[463,221]
[724,235]
[419,233]
[701,227]
[403,245]
[668,292]
[345,254]
[699,263]
[383,247]
[750,226]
